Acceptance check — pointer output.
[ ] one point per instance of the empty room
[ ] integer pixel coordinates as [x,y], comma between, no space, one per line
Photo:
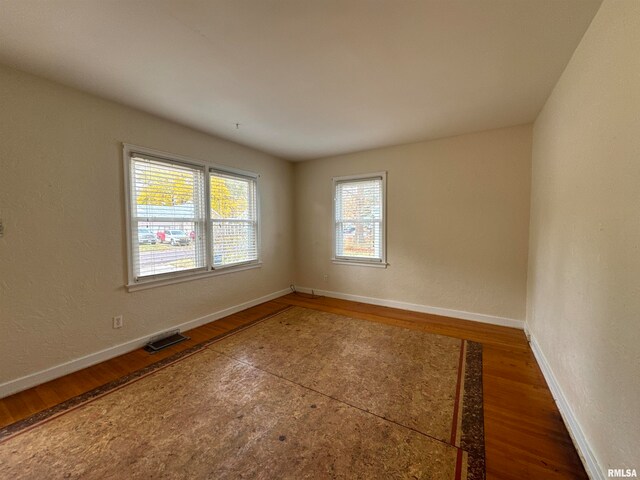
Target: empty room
[320,239]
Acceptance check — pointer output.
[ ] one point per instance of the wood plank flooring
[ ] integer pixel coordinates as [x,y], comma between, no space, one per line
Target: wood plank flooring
[525,437]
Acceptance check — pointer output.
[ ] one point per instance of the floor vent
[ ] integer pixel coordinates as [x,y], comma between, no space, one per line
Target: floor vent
[157,345]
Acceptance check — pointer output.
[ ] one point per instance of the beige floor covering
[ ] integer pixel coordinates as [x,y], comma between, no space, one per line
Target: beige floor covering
[304,394]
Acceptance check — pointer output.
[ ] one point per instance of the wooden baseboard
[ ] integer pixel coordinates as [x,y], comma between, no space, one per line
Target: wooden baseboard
[445,312]
[17,385]
[580,441]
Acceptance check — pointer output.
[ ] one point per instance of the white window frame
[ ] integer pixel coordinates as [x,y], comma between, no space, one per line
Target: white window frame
[134,284]
[382,262]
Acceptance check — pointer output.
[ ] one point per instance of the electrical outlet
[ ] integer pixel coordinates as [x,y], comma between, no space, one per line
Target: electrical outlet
[118,321]
[326,278]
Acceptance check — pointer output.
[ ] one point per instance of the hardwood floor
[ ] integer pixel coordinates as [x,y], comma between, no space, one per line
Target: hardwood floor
[525,437]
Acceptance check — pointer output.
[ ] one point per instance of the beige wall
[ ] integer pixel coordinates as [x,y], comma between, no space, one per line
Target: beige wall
[458,219]
[63,255]
[584,277]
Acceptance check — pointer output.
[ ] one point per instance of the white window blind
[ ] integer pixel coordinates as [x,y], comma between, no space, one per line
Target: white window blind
[359,218]
[167,216]
[234,219]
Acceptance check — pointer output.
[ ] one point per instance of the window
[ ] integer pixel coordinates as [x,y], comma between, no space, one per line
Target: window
[234,221]
[187,218]
[359,219]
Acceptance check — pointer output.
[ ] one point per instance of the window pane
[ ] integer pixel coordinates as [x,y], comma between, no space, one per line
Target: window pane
[234,242]
[161,190]
[360,240]
[358,214]
[359,200]
[232,197]
[168,247]
[167,217]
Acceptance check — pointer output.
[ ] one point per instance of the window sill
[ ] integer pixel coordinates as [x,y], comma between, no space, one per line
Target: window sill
[360,264]
[160,282]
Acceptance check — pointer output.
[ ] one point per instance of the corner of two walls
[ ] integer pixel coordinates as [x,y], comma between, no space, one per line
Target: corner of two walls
[584,261]
[457,225]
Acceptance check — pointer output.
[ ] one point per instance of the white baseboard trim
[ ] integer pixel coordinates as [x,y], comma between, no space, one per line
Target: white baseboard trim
[445,312]
[37,378]
[581,443]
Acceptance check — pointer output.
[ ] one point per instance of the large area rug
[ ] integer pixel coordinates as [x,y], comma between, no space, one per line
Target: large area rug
[302,394]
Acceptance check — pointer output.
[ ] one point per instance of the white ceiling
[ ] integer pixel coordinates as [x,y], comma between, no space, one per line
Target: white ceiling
[306,78]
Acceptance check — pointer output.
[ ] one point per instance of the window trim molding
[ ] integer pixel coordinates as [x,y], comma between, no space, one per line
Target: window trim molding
[183,276]
[382,263]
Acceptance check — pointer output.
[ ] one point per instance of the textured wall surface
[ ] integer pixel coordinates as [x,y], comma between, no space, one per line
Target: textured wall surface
[584,266]
[63,255]
[458,220]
